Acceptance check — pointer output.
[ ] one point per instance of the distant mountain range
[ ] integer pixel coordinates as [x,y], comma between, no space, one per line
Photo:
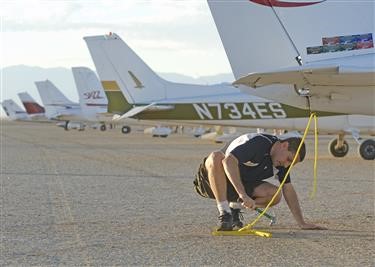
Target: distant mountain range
[21,78]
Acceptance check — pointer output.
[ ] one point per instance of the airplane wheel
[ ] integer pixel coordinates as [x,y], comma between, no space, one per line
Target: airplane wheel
[338,152]
[164,136]
[367,149]
[103,127]
[125,129]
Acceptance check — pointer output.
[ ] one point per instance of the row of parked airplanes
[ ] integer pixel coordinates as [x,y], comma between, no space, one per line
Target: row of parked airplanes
[292,73]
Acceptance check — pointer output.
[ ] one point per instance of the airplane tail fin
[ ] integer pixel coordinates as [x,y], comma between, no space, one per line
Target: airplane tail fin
[13,111]
[117,103]
[31,106]
[92,98]
[116,62]
[54,101]
[259,35]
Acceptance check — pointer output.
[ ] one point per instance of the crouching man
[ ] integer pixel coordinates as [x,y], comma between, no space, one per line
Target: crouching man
[236,175]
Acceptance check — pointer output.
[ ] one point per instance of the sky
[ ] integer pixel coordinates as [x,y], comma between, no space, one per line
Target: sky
[171,36]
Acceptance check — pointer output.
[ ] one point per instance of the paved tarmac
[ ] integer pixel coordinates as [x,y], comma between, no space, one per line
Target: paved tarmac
[105,199]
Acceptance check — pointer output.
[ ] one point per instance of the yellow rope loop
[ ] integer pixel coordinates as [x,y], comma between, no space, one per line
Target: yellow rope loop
[312,194]
[250,225]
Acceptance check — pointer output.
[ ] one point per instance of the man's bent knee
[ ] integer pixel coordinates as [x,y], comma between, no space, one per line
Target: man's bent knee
[267,191]
[271,192]
[214,159]
[277,198]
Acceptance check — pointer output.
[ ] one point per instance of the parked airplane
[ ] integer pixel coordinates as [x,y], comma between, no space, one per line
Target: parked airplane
[93,99]
[154,98]
[59,107]
[14,111]
[317,54]
[35,111]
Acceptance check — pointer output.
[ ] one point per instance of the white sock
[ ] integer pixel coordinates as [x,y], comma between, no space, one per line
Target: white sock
[235,205]
[223,206]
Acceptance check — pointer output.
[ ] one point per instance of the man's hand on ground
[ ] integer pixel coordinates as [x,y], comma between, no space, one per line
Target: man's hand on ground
[311,226]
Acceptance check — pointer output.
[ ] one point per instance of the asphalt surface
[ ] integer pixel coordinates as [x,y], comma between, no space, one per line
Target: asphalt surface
[104,199]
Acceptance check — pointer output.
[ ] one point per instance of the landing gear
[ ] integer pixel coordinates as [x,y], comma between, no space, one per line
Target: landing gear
[367,149]
[103,127]
[66,126]
[338,147]
[125,129]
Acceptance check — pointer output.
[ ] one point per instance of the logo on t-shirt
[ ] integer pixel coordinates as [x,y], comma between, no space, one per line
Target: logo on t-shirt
[251,164]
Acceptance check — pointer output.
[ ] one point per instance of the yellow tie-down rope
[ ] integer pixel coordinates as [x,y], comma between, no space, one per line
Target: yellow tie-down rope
[247,229]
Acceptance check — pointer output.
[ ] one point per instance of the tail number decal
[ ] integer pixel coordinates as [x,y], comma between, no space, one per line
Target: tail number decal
[238,111]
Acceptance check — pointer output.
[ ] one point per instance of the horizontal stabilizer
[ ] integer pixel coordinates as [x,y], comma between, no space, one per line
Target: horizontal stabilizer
[314,76]
[136,110]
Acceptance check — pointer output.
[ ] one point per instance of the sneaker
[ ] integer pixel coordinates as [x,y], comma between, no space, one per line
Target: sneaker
[225,222]
[237,216]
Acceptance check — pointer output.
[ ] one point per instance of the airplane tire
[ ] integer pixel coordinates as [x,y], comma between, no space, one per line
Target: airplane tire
[367,149]
[125,129]
[103,127]
[338,153]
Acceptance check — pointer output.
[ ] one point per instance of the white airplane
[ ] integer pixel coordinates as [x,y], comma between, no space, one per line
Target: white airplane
[309,54]
[35,111]
[14,111]
[59,107]
[92,99]
[94,102]
[157,99]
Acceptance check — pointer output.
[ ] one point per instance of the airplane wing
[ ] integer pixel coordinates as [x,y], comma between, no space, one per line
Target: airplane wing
[314,76]
[136,110]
